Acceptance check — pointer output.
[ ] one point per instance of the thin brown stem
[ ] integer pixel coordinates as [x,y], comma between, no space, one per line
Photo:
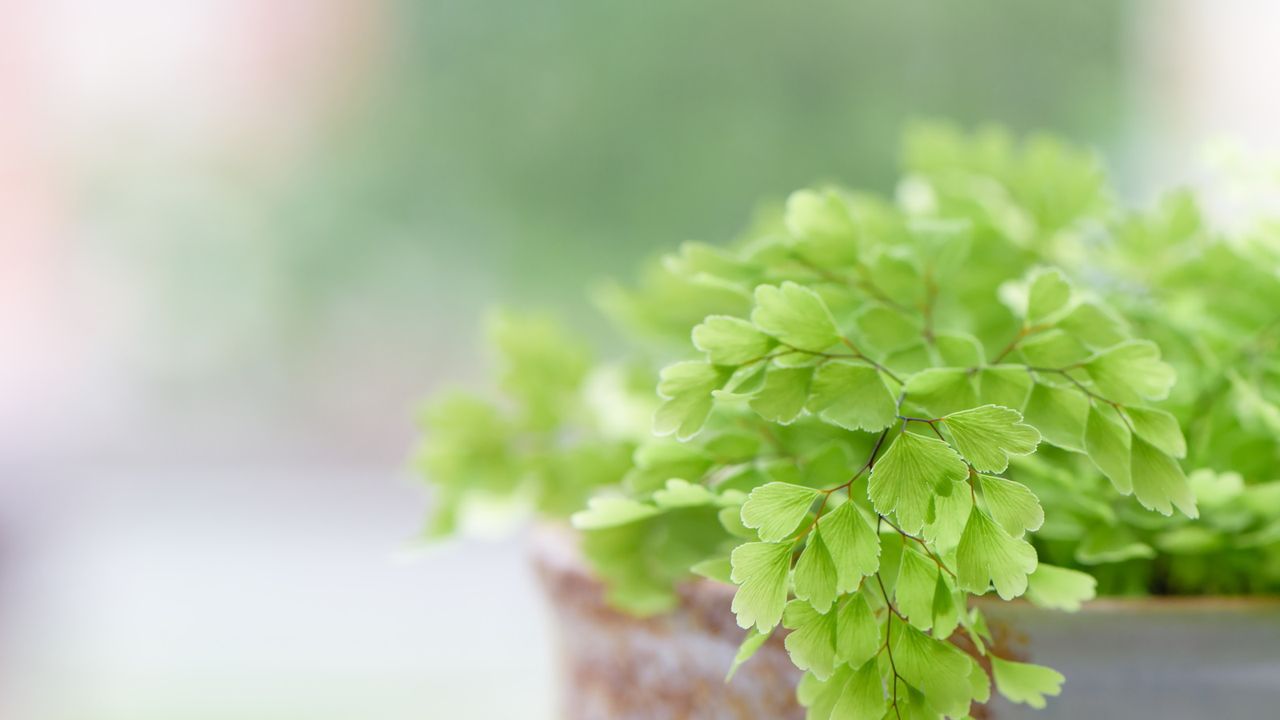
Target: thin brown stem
[1013,345]
[1065,372]
[862,356]
[863,282]
[855,355]
[869,286]
[1025,332]
[888,643]
[923,546]
[875,451]
[826,494]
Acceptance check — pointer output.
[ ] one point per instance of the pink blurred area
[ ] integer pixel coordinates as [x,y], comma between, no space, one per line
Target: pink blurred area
[165,553]
[87,85]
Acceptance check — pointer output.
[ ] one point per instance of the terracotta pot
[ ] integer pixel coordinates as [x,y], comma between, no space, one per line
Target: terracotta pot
[1150,659]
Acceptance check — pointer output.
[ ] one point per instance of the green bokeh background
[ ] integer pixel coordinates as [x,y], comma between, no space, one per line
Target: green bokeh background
[512,153]
[546,143]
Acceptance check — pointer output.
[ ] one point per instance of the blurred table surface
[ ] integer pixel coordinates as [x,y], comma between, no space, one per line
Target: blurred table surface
[236,593]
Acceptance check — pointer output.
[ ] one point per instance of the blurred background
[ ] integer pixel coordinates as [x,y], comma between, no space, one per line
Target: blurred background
[240,240]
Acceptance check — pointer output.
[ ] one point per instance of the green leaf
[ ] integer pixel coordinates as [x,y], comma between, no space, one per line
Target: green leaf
[822,231]
[812,640]
[1026,683]
[979,682]
[827,466]
[750,645]
[945,243]
[1007,385]
[853,544]
[863,696]
[1158,428]
[911,359]
[810,690]
[760,569]
[818,214]
[913,593]
[1106,440]
[1268,534]
[886,329]
[606,512]
[660,459]
[794,359]
[542,364]
[745,381]
[796,316]
[1252,405]
[681,493]
[641,562]
[942,390]
[906,478]
[815,577]
[785,470]
[946,613]
[1220,489]
[852,396]
[783,395]
[1047,295]
[732,446]
[1131,370]
[1191,540]
[1012,504]
[731,521]
[987,436]
[987,555]
[718,569]
[975,628]
[915,705]
[687,388]
[1053,349]
[708,263]
[1059,413]
[730,340]
[896,271]
[1095,326]
[950,513]
[1060,588]
[937,668]
[1158,481]
[1109,544]
[958,349]
[858,635]
[776,509]
[821,696]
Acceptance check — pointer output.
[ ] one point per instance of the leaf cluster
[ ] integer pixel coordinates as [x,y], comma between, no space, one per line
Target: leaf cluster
[877,409]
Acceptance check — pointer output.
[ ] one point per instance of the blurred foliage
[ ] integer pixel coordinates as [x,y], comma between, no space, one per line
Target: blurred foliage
[1208,299]
[542,141]
[502,149]
[1004,300]
[526,446]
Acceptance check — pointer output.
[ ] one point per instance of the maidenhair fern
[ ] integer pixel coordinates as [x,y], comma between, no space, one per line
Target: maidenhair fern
[883,409]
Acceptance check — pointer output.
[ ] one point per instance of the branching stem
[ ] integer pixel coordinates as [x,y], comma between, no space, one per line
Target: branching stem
[1025,332]
[923,545]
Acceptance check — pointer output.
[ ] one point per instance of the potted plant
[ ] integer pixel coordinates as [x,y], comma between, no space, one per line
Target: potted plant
[892,439]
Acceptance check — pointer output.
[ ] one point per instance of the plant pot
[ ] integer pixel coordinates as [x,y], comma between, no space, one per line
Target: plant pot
[1148,659]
